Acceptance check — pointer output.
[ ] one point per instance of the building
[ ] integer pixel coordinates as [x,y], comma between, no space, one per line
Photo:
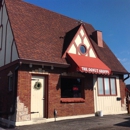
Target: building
[52,62]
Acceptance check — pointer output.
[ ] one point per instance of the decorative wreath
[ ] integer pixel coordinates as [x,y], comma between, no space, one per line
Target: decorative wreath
[37,85]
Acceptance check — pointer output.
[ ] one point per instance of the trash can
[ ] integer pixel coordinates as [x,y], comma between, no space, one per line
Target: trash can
[100,113]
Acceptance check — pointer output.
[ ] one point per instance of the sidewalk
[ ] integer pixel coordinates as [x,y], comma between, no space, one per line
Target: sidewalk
[108,122]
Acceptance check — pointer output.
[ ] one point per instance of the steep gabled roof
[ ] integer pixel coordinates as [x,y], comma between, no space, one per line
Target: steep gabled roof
[68,38]
[40,34]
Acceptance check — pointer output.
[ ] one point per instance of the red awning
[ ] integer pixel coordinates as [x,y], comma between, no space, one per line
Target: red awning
[88,64]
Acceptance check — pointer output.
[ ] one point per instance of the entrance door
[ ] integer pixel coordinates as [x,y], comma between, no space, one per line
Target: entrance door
[37,96]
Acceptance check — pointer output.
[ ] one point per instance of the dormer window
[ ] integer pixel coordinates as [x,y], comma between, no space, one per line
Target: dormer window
[83,49]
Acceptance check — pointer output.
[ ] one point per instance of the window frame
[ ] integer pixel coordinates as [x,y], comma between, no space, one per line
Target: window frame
[110,88]
[81,44]
[83,48]
[10,83]
[73,99]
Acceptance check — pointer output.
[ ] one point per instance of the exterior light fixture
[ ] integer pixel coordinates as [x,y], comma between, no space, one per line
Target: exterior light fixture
[52,67]
[30,65]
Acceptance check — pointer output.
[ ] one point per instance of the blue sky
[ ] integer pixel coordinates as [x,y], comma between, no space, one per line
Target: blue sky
[112,17]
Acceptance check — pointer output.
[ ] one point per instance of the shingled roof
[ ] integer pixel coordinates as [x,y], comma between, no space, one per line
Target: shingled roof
[40,33]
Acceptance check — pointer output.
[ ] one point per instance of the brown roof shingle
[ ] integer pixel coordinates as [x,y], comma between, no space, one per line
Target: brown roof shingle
[39,34]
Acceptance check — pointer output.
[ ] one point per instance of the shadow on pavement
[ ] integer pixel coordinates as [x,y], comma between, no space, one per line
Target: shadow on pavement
[5,127]
[125,123]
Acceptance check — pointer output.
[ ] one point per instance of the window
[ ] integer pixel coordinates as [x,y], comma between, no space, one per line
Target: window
[113,86]
[100,86]
[82,49]
[71,87]
[10,82]
[106,86]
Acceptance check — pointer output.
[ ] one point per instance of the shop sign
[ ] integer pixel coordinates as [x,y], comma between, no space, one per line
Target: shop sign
[94,70]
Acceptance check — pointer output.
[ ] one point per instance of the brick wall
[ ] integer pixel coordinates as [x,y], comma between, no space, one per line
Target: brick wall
[54,94]
[6,97]
[24,88]
[122,90]
[69,109]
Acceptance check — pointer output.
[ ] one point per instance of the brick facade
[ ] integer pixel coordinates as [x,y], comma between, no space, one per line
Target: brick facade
[7,98]
[122,91]
[69,109]
[53,93]
[24,88]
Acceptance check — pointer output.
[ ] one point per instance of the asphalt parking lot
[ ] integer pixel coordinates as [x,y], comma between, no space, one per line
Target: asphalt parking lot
[108,122]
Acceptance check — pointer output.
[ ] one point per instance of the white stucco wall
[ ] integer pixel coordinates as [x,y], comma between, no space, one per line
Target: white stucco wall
[107,104]
[81,38]
[14,52]
[4,20]
[9,39]
[72,49]
[6,40]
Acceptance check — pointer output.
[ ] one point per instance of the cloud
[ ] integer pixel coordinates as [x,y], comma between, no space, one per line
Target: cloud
[125,52]
[123,59]
[125,62]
